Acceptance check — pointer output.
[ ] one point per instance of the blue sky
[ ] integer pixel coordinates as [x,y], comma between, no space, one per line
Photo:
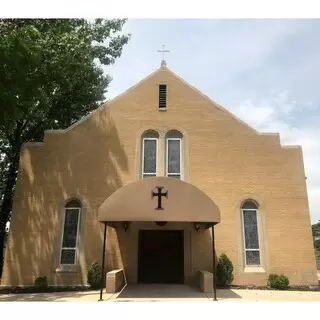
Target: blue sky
[267,72]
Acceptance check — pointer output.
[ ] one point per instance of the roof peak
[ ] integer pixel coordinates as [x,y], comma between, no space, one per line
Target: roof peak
[163,61]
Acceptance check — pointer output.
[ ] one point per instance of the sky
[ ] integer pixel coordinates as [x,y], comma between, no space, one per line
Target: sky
[266,72]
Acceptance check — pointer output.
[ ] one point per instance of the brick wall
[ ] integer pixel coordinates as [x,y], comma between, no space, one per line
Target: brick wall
[223,157]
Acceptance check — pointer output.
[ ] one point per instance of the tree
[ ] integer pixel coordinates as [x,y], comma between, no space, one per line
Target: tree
[316,238]
[50,77]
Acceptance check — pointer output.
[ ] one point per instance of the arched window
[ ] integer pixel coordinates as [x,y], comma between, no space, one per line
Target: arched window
[173,154]
[249,211]
[70,235]
[149,153]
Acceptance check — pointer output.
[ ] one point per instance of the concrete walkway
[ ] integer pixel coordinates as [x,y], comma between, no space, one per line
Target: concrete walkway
[166,293]
[157,293]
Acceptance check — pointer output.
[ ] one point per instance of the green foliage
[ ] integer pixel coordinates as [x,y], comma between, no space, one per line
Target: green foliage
[51,76]
[41,283]
[50,71]
[316,238]
[94,275]
[224,271]
[279,282]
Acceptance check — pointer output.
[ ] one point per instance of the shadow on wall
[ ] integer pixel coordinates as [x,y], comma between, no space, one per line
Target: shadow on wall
[118,257]
[202,253]
[89,163]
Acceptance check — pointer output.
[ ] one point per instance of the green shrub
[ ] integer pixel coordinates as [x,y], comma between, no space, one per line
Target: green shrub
[278,282]
[41,283]
[94,275]
[224,271]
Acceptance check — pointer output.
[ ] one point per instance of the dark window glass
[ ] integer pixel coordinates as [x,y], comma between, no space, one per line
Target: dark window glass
[70,232]
[173,157]
[150,156]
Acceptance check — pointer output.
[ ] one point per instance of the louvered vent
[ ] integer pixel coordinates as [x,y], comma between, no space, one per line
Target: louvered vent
[162,96]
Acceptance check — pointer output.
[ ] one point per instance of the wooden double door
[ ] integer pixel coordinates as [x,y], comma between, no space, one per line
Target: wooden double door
[161,256]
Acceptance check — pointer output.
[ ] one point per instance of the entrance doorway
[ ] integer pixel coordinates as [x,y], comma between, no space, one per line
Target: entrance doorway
[161,258]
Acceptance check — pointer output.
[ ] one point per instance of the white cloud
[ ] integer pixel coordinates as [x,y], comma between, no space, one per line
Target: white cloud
[277,113]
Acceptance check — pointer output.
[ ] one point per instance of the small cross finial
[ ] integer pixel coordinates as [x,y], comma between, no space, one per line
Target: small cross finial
[163,62]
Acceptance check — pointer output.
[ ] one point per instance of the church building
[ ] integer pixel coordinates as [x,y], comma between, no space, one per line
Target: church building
[165,168]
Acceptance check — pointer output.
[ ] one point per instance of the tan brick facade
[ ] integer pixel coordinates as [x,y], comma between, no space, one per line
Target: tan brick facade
[221,155]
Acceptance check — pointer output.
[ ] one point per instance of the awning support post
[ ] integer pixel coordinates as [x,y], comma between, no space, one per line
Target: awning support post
[214,266]
[103,259]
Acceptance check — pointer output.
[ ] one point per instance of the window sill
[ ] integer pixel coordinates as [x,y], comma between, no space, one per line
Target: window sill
[255,269]
[67,269]
[162,109]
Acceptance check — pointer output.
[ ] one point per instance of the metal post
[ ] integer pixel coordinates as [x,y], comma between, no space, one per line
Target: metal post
[103,258]
[214,266]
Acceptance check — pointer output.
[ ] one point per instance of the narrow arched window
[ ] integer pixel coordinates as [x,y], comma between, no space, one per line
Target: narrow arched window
[173,154]
[149,154]
[251,235]
[70,235]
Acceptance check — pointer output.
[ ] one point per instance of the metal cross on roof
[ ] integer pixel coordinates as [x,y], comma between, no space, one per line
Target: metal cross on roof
[163,62]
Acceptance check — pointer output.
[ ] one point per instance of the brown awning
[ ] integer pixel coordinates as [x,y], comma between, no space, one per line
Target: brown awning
[138,201]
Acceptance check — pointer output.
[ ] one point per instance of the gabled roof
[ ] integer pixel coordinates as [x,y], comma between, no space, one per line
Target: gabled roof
[161,69]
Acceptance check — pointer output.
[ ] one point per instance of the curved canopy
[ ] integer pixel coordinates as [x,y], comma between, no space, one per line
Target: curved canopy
[141,201]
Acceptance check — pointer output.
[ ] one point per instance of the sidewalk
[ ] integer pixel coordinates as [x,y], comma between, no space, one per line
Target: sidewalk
[165,293]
